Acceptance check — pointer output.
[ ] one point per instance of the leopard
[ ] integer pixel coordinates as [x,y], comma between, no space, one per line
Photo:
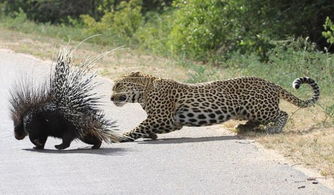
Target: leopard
[170,104]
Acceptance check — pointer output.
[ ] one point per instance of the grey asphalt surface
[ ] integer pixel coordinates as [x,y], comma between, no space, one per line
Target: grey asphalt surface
[206,160]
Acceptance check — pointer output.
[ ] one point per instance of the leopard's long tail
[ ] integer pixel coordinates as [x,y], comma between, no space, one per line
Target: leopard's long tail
[295,100]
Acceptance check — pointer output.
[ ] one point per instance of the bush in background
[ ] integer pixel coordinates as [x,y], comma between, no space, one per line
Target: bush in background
[203,30]
[58,11]
[118,25]
[52,11]
[153,34]
[201,27]
[218,27]
[329,31]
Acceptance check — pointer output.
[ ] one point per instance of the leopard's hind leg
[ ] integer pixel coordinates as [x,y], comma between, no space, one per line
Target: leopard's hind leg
[279,123]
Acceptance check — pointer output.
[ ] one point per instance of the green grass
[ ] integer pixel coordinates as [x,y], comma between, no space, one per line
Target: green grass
[67,33]
[21,24]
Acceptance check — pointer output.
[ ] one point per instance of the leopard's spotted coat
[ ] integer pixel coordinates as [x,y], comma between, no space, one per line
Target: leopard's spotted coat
[170,105]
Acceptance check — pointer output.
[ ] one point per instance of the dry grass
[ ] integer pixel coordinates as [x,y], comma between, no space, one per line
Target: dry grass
[113,65]
[307,138]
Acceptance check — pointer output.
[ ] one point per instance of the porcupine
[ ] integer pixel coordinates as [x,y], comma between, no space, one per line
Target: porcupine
[63,106]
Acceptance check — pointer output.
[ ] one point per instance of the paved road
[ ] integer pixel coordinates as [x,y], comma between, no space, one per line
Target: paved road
[191,161]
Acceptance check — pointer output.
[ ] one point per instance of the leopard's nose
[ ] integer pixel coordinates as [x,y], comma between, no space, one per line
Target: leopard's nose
[112,98]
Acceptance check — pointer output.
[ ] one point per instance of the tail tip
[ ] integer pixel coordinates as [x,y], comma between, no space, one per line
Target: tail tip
[298,81]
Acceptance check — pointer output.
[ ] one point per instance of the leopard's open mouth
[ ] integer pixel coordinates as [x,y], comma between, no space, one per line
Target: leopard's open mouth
[119,99]
[119,104]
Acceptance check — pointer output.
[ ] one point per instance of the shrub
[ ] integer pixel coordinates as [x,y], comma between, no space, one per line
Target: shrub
[104,6]
[153,35]
[214,27]
[206,29]
[16,22]
[329,31]
[52,11]
[121,24]
[200,27]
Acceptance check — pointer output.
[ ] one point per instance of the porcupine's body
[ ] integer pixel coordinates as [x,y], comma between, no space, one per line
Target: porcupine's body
[63,107]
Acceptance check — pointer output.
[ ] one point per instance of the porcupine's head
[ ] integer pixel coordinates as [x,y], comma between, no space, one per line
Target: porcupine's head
[35,125]
[24,100]
[131,88]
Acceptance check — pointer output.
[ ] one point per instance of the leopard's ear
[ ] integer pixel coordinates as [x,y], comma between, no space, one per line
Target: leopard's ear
[158,84]
[140,74]
[136,74]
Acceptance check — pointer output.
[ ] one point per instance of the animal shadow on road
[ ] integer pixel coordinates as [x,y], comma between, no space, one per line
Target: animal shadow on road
[190,139]
[101,151]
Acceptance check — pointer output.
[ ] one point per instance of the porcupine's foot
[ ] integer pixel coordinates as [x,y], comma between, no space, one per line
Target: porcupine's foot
[97,146]
[38,142]
[92,140]
[62,146]
[38,147]
[67,137]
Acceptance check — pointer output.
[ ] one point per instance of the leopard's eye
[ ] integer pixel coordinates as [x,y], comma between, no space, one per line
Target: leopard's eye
[117,85]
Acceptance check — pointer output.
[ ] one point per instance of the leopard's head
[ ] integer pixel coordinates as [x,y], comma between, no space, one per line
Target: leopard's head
[131,88]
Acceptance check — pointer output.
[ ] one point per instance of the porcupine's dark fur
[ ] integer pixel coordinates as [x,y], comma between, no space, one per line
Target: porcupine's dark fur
[64,107]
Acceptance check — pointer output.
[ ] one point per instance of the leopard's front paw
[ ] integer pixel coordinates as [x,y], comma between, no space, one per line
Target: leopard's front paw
[152,136]
[125,138]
